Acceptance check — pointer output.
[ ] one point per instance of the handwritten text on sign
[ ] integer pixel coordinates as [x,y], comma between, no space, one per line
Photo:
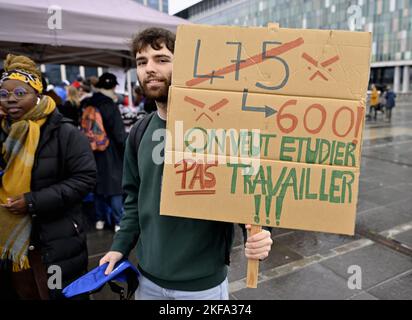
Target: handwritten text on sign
[266,125]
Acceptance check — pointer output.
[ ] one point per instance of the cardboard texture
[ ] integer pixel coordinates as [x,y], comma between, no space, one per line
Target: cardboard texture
[281,193]
[266,126]
[298,62]
[303,129]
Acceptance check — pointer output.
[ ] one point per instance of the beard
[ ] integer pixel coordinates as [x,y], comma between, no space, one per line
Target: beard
[158,93]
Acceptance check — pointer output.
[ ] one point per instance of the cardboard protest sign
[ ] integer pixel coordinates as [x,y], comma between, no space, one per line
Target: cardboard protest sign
[265,126]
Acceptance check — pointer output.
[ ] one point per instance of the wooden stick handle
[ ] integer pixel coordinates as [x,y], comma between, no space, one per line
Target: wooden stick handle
[252,264]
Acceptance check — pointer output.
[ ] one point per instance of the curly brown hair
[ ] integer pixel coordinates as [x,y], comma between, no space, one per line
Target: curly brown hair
[155,37]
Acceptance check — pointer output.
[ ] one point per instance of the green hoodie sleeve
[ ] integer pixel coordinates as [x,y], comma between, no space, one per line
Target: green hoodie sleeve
[126,238]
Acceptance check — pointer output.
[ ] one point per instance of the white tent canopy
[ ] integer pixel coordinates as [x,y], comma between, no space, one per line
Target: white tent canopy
[93,32]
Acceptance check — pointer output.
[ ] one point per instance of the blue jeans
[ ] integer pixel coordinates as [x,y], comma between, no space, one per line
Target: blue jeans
[109,208]
[148,290]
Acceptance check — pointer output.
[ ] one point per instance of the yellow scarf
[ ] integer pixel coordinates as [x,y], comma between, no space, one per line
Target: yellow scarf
[19,150]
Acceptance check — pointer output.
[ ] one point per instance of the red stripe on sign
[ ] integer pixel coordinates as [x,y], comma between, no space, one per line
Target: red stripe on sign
[258,58]
[329,61]
[194,192]
[318,73]
[309,59]
[195,102]
[218,105]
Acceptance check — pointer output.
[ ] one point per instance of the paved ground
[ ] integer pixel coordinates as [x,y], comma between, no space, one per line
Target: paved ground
[313,265]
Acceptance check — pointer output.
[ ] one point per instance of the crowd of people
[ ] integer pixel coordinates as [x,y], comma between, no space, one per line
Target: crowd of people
[71,97]
[68,146]
[79,151]
[63,174]
[104,206]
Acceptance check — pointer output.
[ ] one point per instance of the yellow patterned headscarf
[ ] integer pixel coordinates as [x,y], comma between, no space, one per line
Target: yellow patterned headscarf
[31,79]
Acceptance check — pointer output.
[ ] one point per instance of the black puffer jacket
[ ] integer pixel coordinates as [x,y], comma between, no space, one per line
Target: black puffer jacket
[64,171]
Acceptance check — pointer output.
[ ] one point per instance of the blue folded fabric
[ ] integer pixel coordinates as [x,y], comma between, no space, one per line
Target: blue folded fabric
[95,279]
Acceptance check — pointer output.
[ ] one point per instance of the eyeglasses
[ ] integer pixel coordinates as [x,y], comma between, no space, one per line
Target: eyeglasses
[19,93]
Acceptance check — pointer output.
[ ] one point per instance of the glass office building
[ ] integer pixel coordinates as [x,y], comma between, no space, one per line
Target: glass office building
[161,5]
[390,22]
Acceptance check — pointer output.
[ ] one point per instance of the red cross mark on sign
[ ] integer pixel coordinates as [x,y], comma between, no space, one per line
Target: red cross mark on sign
[315,63]
[215,107]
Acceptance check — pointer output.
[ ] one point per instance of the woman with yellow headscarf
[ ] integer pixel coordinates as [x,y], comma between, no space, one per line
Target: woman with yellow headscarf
[46,168]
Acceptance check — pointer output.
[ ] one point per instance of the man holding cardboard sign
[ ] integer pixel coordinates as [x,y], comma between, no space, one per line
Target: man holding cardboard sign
[268,126]
[179,258]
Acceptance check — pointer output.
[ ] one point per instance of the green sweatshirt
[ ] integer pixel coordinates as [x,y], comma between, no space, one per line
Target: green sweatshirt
[175,253]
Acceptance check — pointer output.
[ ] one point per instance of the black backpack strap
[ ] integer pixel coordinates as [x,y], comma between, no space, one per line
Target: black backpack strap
[137,131]
[132,285]
[117,289]
[135,136]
